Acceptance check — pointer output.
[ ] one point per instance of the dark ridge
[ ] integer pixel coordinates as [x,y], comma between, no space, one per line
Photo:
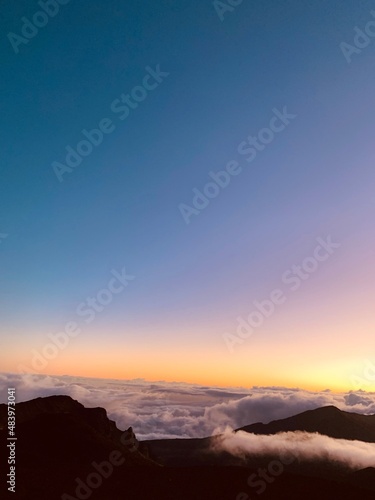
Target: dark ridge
[60,428]
[328,420]
[96,417]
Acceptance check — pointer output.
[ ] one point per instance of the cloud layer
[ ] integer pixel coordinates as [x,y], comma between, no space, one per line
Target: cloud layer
[299,445]
[164,410]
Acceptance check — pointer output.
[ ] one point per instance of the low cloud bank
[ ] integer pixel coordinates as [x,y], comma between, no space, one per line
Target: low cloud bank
[158,410]
[298,445]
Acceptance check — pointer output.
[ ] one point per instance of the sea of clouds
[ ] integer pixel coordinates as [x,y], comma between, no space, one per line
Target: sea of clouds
[158,410]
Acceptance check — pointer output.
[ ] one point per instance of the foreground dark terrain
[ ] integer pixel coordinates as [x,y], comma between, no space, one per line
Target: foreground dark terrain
[66,451]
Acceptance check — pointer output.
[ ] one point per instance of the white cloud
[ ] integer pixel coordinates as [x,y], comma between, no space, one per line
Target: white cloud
[298,445]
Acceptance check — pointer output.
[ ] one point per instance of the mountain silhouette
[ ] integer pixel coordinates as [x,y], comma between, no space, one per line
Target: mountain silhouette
[327,420]
[66,452]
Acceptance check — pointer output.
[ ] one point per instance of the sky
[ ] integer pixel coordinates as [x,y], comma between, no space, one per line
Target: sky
[233,165]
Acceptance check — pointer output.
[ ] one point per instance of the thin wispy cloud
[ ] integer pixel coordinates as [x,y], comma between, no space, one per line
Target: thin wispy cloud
[300,445]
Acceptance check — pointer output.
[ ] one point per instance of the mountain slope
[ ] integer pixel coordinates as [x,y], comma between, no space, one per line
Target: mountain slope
[327,420]
[58,439]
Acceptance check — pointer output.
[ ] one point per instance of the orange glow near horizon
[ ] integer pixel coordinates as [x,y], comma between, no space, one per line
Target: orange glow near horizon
[338,375]
[277,354]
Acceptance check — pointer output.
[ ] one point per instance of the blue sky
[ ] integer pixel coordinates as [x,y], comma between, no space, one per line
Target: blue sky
[120,206]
